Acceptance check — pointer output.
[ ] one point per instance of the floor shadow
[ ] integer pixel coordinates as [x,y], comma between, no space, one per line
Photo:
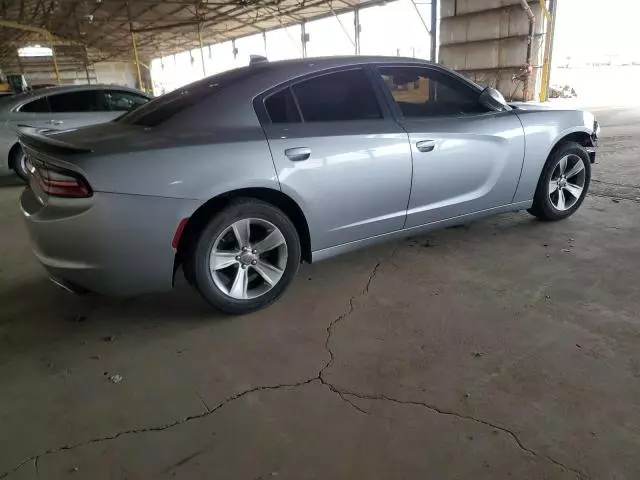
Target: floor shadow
[37,315]
[11,181]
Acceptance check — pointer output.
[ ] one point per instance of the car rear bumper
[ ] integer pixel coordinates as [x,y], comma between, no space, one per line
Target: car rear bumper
[111,244]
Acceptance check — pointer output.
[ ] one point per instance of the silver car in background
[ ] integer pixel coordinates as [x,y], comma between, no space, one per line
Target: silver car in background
[241,176]
[58,108]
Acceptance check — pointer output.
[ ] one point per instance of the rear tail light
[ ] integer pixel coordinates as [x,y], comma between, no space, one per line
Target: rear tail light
[59,182]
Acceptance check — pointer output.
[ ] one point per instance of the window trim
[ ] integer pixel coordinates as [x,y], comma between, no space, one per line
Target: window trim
[395,108]
[383,103]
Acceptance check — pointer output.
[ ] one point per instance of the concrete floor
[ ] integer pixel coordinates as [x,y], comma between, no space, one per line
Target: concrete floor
[507,348]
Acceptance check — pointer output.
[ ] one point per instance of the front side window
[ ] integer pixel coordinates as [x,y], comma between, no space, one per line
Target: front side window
[80,101]
[120,101]
[37,106]
[424,92]
[341,96]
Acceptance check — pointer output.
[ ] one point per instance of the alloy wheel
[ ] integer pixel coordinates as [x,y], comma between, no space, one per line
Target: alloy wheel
[567,182]
[248,258]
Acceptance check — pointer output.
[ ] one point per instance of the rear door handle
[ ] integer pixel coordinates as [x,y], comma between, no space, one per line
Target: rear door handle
[426,145]
[55,122]
[298,154]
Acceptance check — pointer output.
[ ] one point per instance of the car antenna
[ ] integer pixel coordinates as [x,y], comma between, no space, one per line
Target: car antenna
[255,59]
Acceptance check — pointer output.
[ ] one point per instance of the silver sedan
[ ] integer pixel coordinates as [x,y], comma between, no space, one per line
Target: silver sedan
[241,176]
[58,108]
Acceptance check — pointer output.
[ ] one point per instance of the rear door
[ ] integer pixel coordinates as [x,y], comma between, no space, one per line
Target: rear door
[339,153]
[466,158]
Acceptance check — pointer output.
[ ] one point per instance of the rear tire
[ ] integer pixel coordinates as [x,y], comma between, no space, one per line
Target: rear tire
[245,257]
[17,160]
[563,184]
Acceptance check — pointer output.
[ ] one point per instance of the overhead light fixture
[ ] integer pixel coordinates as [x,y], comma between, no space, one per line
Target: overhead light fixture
[35,51]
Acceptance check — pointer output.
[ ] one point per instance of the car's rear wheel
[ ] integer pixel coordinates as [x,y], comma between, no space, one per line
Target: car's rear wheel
[18,161]
[563,184]
[245,257]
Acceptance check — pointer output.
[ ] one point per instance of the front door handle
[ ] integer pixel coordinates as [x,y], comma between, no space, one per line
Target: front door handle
[55,122]
[298,154]
[426,145]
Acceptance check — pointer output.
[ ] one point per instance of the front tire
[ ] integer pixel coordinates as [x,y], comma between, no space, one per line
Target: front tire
[563,184]
[245,257]
[18,161]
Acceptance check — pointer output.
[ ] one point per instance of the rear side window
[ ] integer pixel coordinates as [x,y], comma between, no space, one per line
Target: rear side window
[37,106]
[282,108]
[165,107]
[81,101]
[341,96]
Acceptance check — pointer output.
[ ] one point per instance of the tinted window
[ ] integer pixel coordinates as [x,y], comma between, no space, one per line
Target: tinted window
[282,108]
[340,96]
[163,108]
[37,106]
[422,92]
[123,101]
[81,101]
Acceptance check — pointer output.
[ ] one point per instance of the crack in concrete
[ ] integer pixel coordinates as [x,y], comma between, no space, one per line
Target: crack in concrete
[204,404]
[159,428]
[617,197]
[614,184]
[363,293]
[342,394]
[438,410]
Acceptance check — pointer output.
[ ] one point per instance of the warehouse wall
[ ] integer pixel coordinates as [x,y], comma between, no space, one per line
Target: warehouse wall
[39,71]
[487,41]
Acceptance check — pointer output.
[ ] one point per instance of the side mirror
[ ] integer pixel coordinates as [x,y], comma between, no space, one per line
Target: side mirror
[493,100]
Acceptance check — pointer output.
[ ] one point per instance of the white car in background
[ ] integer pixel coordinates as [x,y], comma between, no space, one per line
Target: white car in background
[59,108]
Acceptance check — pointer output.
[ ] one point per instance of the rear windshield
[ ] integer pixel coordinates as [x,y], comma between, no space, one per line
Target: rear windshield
[166,106]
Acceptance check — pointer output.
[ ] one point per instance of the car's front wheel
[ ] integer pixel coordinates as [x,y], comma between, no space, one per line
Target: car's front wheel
[563,184]
[18,161]
[246,256]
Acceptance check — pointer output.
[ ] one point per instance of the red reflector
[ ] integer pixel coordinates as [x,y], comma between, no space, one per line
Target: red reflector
[178,234]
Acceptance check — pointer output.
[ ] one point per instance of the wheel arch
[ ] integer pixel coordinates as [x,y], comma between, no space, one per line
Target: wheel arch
[581,137]
[11,157]
[201,216]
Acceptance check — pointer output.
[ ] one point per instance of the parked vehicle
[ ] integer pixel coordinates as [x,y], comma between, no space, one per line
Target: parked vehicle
[58,108]
[241,176]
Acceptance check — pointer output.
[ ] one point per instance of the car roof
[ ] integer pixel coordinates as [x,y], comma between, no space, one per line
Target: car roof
[312,64]
[20,98]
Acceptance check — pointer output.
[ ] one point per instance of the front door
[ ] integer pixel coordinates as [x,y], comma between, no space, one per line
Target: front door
[465,158]
[340,155]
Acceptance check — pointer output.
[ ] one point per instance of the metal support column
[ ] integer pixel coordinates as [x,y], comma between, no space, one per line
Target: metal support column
[434,31]
[553,4]
[234,49]
[135,47]
[304,38]
[264,41]
[204,67]
[356,27]
[86,65]
[54,57]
